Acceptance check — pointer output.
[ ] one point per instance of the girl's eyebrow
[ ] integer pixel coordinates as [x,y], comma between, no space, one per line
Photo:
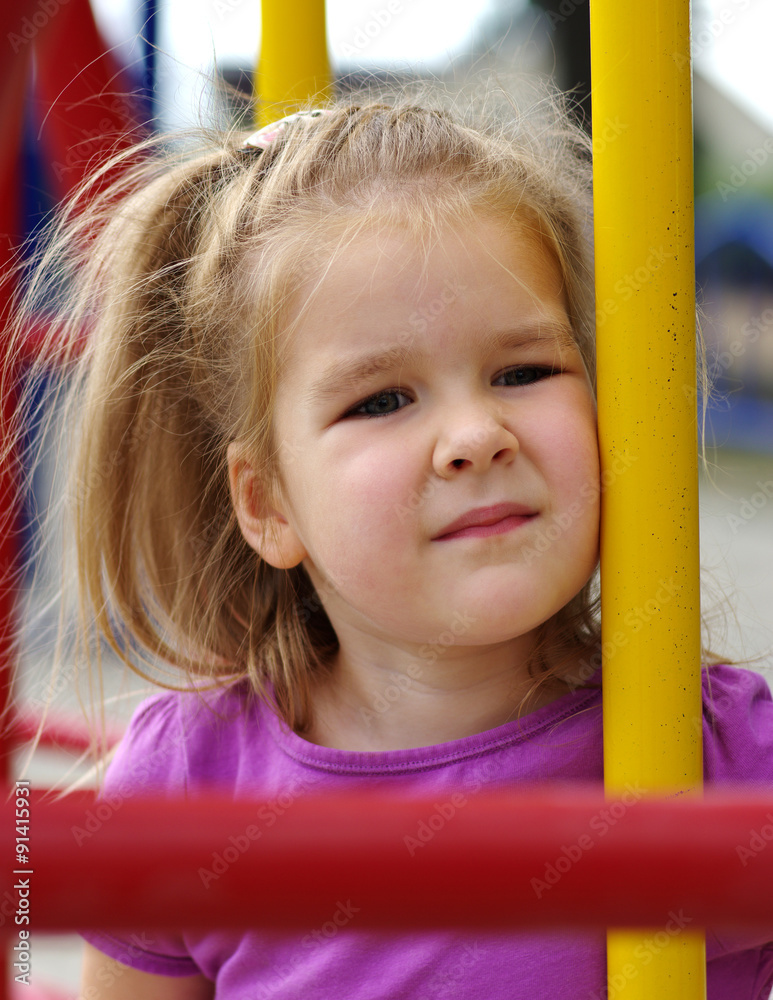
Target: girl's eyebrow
[344,376]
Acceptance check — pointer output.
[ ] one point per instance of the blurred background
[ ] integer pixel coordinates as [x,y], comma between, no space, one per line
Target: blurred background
[80,78]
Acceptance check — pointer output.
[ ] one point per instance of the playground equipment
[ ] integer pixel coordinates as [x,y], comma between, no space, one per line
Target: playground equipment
[646,378]
[655,862]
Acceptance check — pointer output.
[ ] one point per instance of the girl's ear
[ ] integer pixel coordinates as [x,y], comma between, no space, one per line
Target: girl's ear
[264,526]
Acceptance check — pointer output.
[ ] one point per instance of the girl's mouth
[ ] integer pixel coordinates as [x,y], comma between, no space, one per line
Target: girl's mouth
[485,521]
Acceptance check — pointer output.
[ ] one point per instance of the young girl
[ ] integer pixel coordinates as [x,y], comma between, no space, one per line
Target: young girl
[338,385]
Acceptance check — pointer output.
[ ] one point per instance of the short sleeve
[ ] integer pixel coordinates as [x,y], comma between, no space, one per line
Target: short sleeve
[737,727]
[149,759]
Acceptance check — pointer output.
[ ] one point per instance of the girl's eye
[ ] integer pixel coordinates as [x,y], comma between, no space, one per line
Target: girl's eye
[379,405]
[526,374]
[382,403]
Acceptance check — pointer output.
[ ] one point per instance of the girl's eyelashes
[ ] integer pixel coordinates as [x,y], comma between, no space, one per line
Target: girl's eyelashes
[528,374]
[377,401]
[380,402]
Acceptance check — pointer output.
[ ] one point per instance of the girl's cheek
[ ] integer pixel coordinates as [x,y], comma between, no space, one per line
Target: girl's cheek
[363,508]
[378,477]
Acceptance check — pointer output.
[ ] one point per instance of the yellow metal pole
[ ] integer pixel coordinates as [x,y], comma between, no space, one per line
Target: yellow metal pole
[645,302]
[293,62]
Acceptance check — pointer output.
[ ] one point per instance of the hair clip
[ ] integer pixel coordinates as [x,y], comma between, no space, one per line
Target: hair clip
[263,138]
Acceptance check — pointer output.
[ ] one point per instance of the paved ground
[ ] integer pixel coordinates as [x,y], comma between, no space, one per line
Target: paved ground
[737,553]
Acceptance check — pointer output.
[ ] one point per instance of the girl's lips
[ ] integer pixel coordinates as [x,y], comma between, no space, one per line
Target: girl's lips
[483,530]
[486,521]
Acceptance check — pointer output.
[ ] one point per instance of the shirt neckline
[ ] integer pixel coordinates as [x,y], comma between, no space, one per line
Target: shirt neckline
[440,755]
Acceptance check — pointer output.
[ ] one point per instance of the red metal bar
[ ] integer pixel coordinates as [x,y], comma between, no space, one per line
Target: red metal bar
[86,113]
[59,732]
[14,71]
[88,108]
[542,859]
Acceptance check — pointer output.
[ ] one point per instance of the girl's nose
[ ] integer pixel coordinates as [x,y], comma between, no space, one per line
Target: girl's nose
[476,440]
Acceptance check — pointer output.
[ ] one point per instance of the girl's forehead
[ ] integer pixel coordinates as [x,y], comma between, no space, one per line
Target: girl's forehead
[389,288]
[415,255]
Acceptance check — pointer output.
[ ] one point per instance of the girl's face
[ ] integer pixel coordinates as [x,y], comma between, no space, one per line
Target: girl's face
[419,387]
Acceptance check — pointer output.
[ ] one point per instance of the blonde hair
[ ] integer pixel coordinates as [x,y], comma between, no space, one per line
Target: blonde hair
[180,274]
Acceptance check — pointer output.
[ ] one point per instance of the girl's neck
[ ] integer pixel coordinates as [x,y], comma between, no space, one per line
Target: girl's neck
[366,708]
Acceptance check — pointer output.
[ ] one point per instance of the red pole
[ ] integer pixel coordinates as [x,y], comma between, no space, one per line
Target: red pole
[542,859]
[86,113]
[58,733]
[13,83]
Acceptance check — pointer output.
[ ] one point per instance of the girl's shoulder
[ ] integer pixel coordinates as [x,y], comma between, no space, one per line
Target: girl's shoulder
[181,740]
[737,726]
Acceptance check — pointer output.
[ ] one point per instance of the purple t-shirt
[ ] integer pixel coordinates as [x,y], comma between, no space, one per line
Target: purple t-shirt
[177,744]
